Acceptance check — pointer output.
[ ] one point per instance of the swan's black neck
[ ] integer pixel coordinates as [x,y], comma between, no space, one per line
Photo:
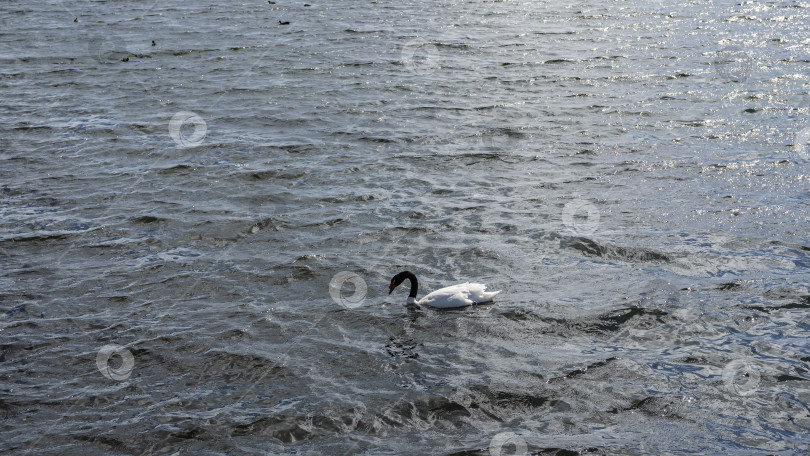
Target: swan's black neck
[414,284]
[399,278]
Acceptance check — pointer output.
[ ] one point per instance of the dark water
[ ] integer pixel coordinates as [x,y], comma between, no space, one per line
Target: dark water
[197,235]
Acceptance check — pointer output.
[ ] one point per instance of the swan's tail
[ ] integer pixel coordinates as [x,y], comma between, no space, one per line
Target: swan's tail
[478,294]
[489,295]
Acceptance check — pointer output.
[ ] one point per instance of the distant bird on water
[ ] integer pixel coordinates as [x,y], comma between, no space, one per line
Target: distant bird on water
[284,22]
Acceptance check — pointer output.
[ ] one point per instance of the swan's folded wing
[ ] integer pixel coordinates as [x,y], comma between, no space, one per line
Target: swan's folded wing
[464,298]
[449,297]
[461,295]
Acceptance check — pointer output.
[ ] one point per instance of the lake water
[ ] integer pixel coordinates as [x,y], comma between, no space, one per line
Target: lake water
[202,207]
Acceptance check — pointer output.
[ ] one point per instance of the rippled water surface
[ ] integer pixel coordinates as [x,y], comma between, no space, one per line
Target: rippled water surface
[202,206]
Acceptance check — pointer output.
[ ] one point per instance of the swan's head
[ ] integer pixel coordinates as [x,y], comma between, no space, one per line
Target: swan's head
[397,279]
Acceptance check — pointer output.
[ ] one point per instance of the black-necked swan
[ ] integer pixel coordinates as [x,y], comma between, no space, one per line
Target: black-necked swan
[460,295]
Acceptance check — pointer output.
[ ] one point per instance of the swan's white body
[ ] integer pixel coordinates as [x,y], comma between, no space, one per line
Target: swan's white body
[461,295]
